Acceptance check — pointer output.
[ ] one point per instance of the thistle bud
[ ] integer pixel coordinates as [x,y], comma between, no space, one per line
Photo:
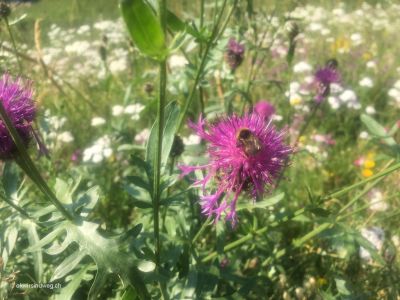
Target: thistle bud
[148,88]
[104,39]
[224,262]
[234,54]
[103,53]
[332,63]
[177,147]
[5,10]
[16,99]
[293,30]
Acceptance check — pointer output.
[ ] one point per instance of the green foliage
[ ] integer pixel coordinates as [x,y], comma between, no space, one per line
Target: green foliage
[144,27]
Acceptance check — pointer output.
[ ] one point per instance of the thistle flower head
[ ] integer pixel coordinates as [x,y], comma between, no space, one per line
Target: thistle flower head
[323,78]
[246,154]
[16,98]
[234,54]
[264,109]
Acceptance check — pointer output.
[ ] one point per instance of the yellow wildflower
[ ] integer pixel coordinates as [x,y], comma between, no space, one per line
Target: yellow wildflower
[367,173]
[369,163]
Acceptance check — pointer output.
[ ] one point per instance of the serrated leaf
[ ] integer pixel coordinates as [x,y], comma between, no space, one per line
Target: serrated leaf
[87,201]
[68,291]
[10,179]
[47,239]
[57,248]
[144,166]
[33,238]
[104,251]
[139,181]
[144,28]
[68,265]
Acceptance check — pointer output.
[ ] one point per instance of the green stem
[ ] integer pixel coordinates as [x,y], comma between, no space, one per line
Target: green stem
[301,132]
[19,209]
[26,163]
[200,70]
[366,190]
[201,230]
[356,185]
[13,43]
[160,129]
[201,92]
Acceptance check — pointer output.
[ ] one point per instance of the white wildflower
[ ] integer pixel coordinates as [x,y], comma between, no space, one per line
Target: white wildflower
[98,121]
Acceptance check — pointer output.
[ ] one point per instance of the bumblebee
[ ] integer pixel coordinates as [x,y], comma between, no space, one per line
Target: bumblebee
[248,142]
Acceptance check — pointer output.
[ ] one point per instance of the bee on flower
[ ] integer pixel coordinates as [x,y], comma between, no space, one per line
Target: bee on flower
[246,154]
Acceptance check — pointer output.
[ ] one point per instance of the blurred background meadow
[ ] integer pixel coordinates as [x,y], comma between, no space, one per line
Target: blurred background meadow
[328,227]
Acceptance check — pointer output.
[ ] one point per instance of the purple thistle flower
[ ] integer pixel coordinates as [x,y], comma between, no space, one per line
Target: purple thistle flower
[234,54]
[16,97]
[76,156]
[246,154]
[323,79]
[264,109]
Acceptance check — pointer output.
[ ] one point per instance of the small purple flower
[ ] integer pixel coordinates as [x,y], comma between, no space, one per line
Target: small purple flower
[16,98]
[234,54]
[224,263]
[264,109]
[246,154]
[323,79]
[76,156]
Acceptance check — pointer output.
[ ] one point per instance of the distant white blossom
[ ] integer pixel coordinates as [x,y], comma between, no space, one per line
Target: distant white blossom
[366,82]
[376,237]
[142,136]
[65,137]
[302,67]
[370,110]
[97,121]
[117,110]
[98,151]
[364,135]
[177,61]
[376,200]
[191,140]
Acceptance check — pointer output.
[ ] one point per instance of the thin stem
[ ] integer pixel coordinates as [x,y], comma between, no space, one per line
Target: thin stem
[366,190]
[301,132]
[160,129]
[200,70]
[201,92]
[19,209]
[201,230]
[13,43]
[251,235]
[26,163]
[356,185]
